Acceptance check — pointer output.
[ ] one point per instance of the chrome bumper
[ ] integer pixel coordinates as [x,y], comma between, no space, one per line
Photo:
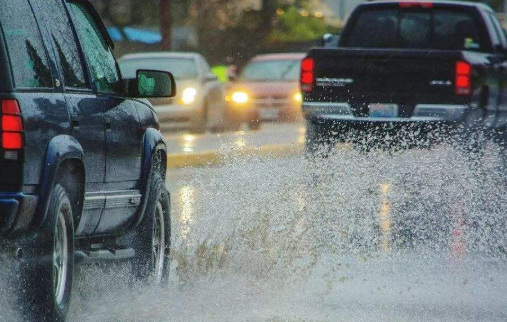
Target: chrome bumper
[422,113]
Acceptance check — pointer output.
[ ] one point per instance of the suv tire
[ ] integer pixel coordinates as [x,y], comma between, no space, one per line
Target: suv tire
[153,237]
[47,274]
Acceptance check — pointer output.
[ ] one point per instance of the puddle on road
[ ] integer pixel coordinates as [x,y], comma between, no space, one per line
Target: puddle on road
[414,235]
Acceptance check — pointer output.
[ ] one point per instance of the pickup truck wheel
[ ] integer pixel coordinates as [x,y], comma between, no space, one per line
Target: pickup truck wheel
[153,237]
[46,277]
[319,141]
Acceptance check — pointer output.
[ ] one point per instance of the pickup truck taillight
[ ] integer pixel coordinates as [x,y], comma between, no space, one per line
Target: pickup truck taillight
[463,81]
[307,75]
[416,4]
[12,125]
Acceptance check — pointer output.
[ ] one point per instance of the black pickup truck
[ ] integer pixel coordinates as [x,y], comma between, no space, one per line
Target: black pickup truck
[415,65]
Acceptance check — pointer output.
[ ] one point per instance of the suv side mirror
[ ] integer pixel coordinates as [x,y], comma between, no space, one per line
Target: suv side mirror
[151,84]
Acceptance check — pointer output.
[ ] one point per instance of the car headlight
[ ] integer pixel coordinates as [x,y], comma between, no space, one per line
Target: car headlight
[298,97]
[188,95]
[239,97]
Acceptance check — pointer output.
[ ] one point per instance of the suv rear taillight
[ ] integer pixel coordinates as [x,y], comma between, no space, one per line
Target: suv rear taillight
[463,81]
[307,75]
[12,125]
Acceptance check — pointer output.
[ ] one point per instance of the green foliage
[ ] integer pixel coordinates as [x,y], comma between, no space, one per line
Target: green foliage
[294,26]
[495,4]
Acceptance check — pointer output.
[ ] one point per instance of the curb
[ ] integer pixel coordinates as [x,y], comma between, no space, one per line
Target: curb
[213,158]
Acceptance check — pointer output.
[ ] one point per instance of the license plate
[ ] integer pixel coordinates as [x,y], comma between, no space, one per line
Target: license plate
[383,110]
[268,113]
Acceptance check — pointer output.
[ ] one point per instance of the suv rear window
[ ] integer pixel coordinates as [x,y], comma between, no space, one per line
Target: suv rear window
[409,28]
[29,61]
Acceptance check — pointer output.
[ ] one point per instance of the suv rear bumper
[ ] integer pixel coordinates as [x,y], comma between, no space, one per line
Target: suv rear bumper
[16,211]
[425,113]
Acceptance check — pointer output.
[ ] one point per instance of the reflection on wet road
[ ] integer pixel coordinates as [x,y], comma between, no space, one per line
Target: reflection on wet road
[385,218]
[270,134]
[186,196]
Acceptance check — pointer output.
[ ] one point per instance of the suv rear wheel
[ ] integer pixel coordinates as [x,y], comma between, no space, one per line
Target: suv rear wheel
[153,237]
[46,284]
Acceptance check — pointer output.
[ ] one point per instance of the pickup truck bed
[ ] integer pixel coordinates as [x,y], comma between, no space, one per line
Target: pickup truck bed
[408,62]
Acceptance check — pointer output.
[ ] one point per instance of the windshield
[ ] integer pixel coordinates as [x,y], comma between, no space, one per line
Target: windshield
[272,70]
[181,68]
[396,28]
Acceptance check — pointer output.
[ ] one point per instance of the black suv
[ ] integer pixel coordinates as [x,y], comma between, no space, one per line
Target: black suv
[82,160]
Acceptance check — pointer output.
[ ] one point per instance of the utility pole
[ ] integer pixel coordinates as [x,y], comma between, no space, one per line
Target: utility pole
[268,11]
[165,23]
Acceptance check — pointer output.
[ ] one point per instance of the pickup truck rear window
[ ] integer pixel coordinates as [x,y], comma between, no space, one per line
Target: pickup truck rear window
[409,28]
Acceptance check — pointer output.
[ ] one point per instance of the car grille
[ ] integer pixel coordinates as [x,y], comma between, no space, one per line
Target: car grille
[271,102]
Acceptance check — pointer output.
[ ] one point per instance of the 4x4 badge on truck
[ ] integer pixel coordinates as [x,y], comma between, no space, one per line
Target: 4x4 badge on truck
[440,83]
[334,82]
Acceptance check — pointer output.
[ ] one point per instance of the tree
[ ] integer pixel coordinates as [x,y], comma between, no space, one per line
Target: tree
[294,26]
[126,13]
[268,13]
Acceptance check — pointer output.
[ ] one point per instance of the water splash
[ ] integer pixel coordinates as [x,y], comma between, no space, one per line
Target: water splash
[409,235]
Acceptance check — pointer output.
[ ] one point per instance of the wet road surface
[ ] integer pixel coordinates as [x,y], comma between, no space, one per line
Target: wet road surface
[416,235]
[407,236]
[269,134]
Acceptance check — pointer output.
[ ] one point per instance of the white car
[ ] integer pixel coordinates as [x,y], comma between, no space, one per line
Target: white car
[199,104]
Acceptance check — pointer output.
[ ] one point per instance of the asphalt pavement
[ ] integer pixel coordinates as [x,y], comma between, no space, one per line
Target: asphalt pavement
[191,150]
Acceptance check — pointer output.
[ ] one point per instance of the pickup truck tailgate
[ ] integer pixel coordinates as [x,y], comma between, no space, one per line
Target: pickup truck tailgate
[387,75]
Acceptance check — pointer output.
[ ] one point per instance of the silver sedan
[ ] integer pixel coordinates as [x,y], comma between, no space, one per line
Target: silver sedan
[199,105]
